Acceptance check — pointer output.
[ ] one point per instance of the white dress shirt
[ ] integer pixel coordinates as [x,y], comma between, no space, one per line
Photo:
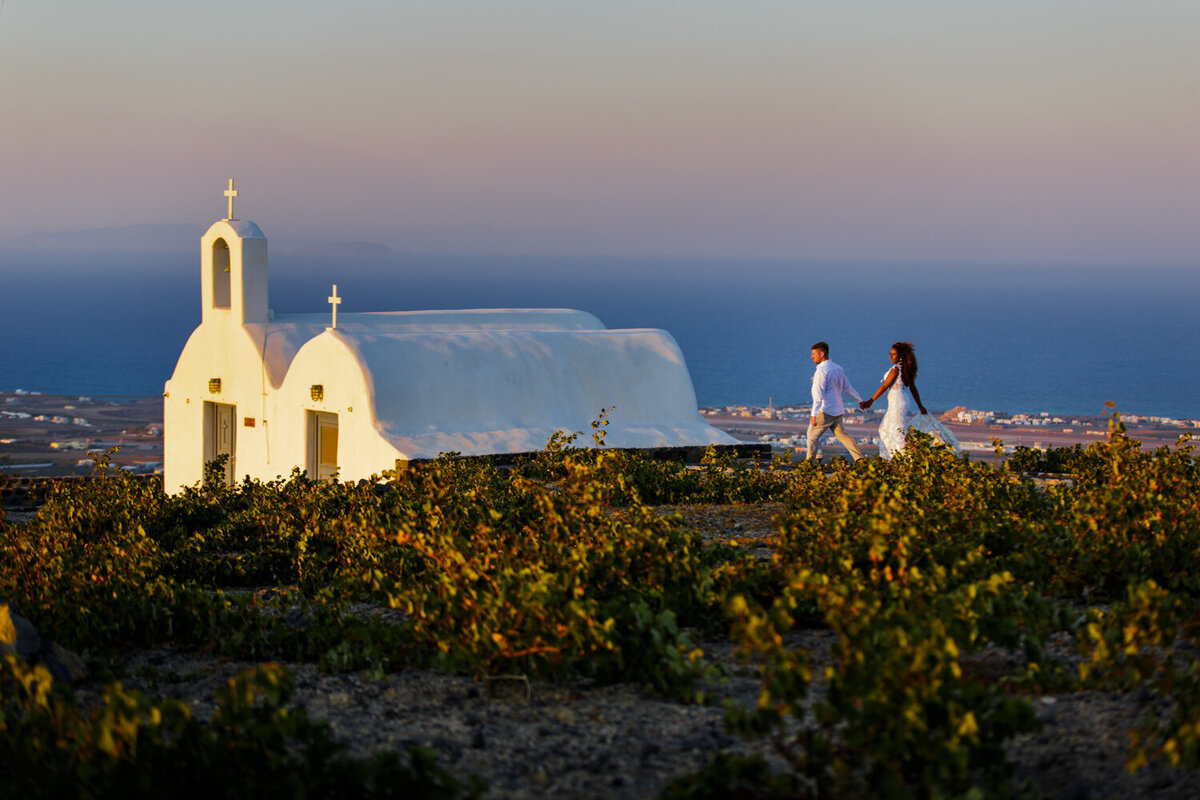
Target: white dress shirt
[829,381]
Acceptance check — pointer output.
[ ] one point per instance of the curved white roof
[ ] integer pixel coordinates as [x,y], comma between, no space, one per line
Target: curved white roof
[510,390]
[285,335]
[244,228]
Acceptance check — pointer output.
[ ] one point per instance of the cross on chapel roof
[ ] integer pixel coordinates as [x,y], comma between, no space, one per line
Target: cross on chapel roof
[334,301]
[230,193]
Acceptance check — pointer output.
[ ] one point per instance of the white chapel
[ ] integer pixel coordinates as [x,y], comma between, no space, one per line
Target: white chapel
[351,395]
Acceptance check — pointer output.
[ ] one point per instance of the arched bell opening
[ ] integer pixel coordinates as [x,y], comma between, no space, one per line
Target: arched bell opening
[220,274]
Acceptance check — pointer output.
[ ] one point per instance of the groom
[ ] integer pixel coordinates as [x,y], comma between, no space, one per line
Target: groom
[828,383]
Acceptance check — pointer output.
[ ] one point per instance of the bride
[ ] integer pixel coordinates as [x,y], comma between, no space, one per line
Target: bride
[904,402]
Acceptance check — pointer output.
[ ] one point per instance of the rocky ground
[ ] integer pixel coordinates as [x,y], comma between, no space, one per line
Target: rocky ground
[579,740]
[583,741]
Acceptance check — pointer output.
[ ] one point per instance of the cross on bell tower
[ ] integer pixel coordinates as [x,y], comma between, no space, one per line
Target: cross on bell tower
[230,193]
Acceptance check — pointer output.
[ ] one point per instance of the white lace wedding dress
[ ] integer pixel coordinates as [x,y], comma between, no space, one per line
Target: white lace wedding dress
[903,413]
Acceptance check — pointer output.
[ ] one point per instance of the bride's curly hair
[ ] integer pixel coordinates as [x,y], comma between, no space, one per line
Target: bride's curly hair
[908,361]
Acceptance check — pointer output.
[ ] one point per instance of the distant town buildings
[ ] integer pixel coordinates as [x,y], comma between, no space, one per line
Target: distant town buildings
[968,416]
[992,423]
[799,411]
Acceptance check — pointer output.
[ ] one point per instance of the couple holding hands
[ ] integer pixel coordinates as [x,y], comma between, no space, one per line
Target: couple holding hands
[904,403]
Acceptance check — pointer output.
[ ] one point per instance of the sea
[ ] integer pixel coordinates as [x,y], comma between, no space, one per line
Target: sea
[1064,340]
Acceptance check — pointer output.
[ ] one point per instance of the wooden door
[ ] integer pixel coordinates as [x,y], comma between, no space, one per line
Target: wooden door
[322,446]
[221,437]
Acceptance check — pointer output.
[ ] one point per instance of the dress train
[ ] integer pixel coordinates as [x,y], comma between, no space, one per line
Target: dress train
[903,413]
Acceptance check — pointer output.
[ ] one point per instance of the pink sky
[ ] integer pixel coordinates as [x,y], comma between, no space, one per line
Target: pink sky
[944,131]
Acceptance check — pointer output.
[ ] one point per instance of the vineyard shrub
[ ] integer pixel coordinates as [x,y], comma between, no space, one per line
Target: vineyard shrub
[562,566]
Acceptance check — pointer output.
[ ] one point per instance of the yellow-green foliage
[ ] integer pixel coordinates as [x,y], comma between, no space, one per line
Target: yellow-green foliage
[561,566]
[921,564]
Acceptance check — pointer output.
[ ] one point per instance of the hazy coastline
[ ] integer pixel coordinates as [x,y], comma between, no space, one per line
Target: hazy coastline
[46,435]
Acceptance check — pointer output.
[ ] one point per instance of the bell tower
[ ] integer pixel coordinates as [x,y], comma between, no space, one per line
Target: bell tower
[233,270]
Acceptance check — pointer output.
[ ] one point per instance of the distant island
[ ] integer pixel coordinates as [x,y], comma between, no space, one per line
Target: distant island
[168,238]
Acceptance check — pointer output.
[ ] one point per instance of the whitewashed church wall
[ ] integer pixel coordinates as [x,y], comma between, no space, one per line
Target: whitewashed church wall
[347,391]
[222,351]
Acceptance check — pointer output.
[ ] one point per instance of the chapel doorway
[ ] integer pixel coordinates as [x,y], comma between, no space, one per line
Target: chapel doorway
[322,446]
[220,435]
